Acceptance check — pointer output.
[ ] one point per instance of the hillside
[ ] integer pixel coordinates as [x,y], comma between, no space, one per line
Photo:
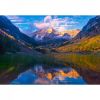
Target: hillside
[9,44]
[12,40]
[7,26]
[89,44]
[87,40]
[90,29]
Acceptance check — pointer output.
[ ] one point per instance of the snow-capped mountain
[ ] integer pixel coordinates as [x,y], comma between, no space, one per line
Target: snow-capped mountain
[49,34]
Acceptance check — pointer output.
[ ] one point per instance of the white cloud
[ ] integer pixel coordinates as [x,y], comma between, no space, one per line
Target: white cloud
[15,19]
[18,23]
[59,24]
[47,19]
[41,25]
[60,29]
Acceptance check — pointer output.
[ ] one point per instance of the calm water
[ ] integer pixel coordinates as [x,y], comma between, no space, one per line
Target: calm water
[68,69]
[38,74]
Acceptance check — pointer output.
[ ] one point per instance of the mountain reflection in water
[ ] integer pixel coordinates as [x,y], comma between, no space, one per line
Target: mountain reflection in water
[41,75]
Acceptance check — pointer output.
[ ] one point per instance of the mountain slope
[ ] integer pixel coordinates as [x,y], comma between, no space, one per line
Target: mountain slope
[49,34]
[8,43]
[12,40]
[7,26]
[92,28]
[88,39]
[89,44]
[43,34]
[50,37]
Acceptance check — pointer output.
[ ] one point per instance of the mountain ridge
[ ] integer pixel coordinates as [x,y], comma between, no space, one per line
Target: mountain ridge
[12,40]
[7,26]
[90,29]
[87,40]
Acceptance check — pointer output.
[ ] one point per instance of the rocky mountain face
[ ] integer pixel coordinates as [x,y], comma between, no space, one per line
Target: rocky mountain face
[9,28]
[92,28]
[42,34]
[50,35]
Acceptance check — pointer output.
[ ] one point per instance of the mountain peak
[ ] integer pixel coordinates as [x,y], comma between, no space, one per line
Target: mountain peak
[49,34]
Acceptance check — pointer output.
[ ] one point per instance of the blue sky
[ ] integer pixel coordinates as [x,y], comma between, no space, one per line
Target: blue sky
[29,24]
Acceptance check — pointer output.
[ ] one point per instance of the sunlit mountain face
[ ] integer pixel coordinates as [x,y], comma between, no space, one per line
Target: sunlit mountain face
[60,24]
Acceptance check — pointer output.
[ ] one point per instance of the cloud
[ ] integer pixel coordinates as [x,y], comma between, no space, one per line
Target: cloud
[60,24]
[47,19]
[19,23]
[24,24]
[44,24]
[41,25]
[15,19]
[60,29]
[11,17]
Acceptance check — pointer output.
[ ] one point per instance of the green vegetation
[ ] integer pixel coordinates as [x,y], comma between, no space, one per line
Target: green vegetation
[90,44]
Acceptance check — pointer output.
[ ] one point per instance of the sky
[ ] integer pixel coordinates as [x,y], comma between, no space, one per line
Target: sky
[30,24]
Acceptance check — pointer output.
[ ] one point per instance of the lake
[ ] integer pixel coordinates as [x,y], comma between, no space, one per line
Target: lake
[41,75]
[51,69]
